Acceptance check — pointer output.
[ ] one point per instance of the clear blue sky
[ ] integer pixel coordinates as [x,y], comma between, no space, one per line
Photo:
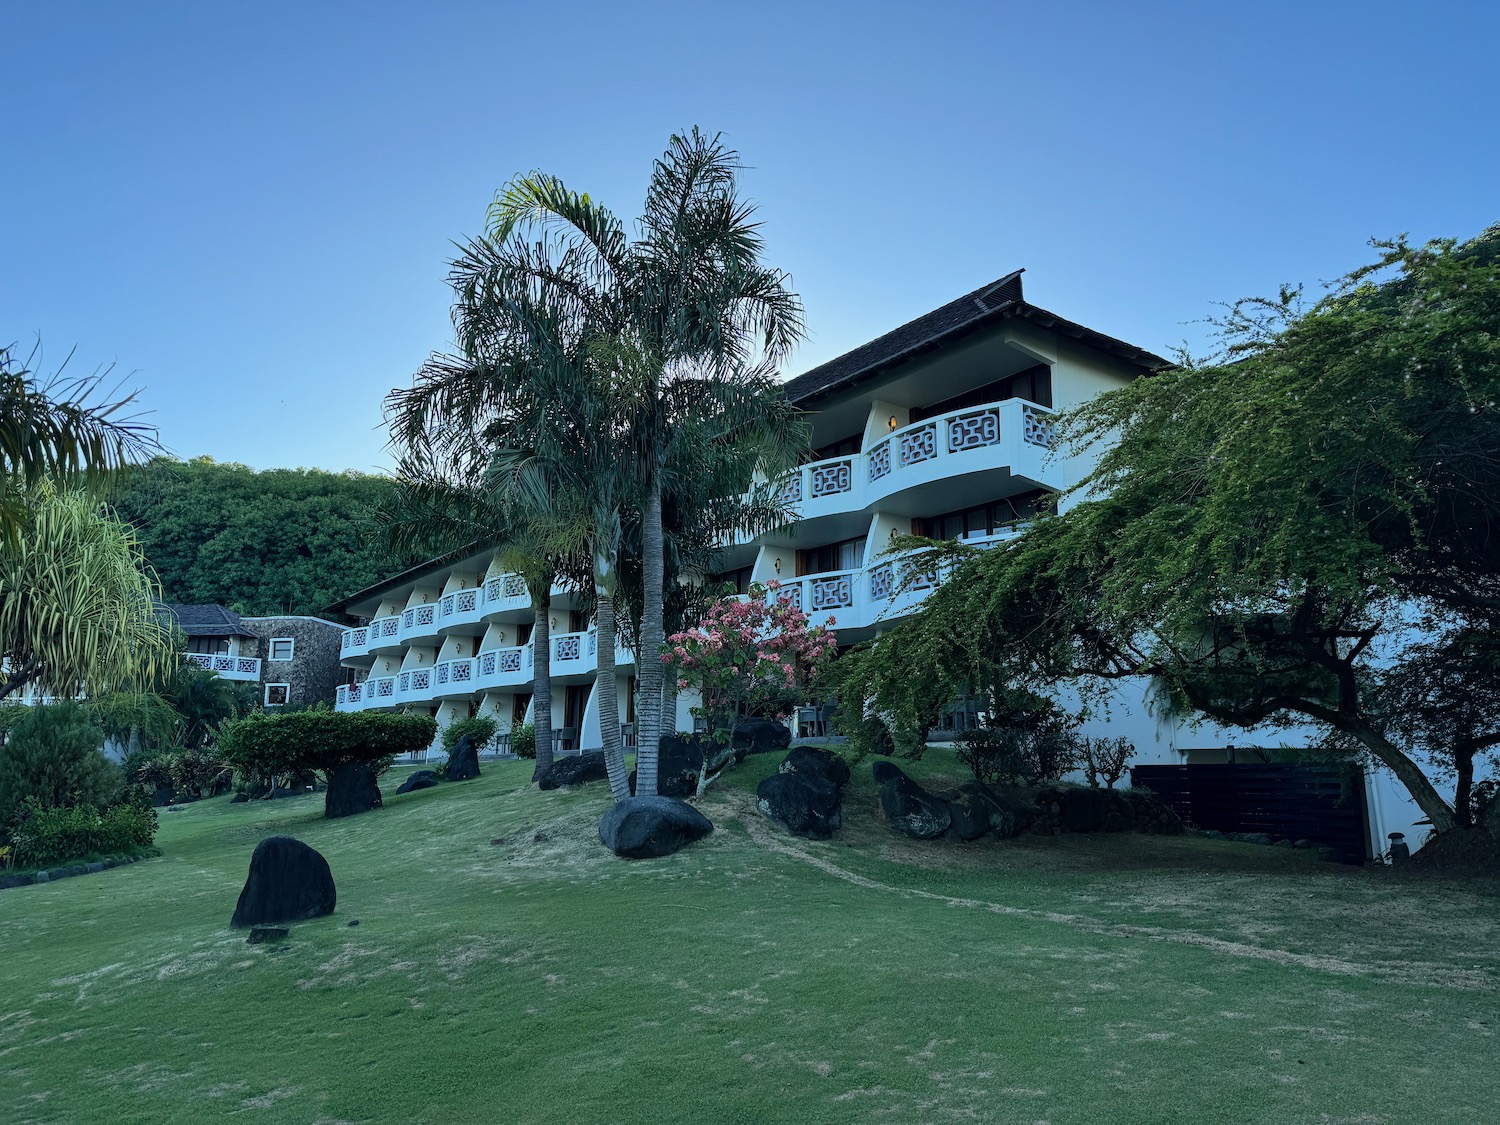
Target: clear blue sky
[250,206]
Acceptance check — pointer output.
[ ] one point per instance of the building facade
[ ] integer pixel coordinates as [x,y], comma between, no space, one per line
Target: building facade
[942,427]
[293,659]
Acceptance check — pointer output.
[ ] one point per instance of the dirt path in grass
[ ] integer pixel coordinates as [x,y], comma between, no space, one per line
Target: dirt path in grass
[763,834]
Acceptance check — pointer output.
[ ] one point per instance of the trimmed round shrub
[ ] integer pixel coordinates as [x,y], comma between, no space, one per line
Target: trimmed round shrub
[523,740]
[479,730]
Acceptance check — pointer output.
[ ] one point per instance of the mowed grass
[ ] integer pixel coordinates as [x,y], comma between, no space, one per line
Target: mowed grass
[750,978]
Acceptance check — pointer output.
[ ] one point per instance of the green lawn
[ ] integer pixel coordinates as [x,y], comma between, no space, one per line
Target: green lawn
[750,978]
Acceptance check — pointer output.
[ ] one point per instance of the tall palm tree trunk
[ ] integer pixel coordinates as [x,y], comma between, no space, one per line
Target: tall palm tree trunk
[668,705]
[541,689]
[609,693]
[651,635]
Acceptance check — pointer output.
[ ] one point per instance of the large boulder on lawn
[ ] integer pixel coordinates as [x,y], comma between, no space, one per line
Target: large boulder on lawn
[805,804]
[648,827]
[969,813]
[761,736]
[910,809]
[288,882]
[1011,812]
[463,761]
[885,771]
[352,788]
[819,763]
[421,779]
[575,770]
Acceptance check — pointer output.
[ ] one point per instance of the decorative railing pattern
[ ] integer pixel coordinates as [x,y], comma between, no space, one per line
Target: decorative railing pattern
[567,647]
[466,601]
[421,679]
[510,660]
[403,682]
[388,626]
[830,480]
[385,688]
[972,431]
[1036,426]
[463,670]
[593,644]
[881,582]
[791,490]
[919,444]
[488,662]
[227,666]
[441,672]
[514,586]
[880,460]
[832,593]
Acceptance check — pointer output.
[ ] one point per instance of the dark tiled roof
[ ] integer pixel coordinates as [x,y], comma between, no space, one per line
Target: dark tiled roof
[206,620]
[987,305]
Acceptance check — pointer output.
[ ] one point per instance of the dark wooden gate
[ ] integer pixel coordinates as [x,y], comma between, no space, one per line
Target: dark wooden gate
[1287,802]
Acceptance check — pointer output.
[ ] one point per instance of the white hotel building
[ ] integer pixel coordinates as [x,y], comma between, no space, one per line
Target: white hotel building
[941,427]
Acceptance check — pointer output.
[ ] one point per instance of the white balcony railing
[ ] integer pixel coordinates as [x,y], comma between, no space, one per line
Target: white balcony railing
[922,452]
[228,667]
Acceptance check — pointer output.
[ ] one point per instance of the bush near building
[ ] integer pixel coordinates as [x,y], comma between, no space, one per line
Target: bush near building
[349,748]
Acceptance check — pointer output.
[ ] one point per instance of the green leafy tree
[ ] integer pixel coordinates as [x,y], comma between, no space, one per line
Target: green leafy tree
[51,754]
[263,543]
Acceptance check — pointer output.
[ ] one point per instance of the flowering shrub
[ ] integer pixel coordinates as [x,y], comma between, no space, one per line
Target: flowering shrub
[748,656]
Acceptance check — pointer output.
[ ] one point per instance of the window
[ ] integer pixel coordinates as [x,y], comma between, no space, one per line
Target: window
[985,519]
[739,579]
[281,648]
[847,447]
[278,695]
[847,555]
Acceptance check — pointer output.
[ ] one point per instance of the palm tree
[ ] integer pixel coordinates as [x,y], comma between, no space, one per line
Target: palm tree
[438,508]
[77,602]
[53,431]
[706,322]
[535,410]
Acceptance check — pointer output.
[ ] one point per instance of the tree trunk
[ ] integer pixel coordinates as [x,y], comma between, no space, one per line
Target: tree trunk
[669,702]
[1463,762]
[609,701]
[1428,799]
[541,688]
[651,637]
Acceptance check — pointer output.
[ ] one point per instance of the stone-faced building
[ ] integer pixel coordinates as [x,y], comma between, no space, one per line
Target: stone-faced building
[294,659]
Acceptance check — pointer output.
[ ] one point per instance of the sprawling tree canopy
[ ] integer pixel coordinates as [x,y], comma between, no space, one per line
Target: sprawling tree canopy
[1301,531]
[275,541]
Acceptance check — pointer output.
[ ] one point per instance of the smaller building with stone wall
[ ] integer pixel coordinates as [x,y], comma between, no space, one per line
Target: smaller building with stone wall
[294,659]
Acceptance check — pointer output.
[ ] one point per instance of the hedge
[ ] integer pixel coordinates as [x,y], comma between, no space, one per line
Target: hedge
[271,744]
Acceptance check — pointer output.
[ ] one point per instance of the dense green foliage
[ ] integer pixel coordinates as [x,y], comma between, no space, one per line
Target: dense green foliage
[50,834]
[479,729]
[523,740]
[262,543]
[51,755]
[1080,980]
[293,742]
[1299,533]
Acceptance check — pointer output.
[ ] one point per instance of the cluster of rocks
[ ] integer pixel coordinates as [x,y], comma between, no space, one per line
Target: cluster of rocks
[680,759]
[52,874]
[288,882]
[975,809]
[650,827]
[806,797]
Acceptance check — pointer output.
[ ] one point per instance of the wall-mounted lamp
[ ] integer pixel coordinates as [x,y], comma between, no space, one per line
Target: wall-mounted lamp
[893,534]
[501,636]
[893,422]
[778,566]
[554,623]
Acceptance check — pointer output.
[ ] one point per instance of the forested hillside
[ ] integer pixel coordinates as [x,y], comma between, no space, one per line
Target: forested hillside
[276,541]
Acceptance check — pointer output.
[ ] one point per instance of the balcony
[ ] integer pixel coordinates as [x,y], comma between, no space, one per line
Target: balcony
[461,608]
[418,623]
[876,594]
[946,445]
[504,594]
[228,667]
[503,667]
[453,677]
[385,634]
[355,642]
